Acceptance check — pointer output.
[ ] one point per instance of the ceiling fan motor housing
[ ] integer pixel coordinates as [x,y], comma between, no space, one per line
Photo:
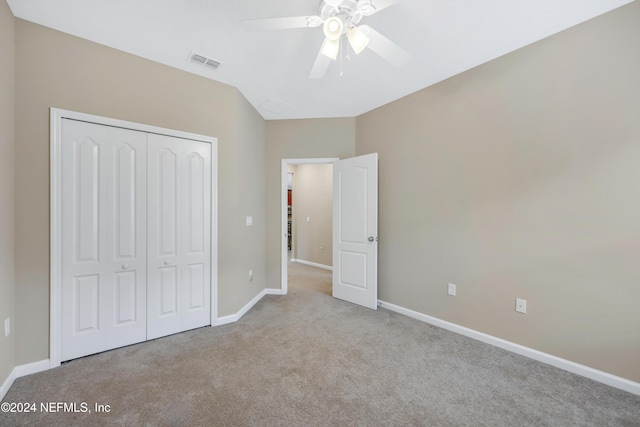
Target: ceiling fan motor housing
[348,11]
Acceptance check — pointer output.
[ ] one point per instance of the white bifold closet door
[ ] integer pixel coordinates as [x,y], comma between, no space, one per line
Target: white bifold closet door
[104,238]
[179,230]
[136,237]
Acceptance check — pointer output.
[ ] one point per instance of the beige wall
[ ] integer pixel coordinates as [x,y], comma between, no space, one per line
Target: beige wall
[298,139]
[313,198]
[520,178]
[242,194]
[7,197]
[54,69]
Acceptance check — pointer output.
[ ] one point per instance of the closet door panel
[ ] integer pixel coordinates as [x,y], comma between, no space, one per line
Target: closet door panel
[163,258]
[85,199]
[196,242]
[127,243]
[195,227]
[167,182]
[195,287]
[126,222]
[168,292]
[103,238]
[179,241]
[86,304]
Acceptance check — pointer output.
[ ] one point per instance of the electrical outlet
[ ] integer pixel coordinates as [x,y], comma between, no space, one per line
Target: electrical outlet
[7,326]
[451,289]
[521,305]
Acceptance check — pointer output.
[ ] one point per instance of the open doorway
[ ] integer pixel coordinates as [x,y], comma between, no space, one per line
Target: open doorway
[307,244]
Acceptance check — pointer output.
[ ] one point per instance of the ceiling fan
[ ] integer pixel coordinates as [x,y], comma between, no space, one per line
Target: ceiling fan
[339,18]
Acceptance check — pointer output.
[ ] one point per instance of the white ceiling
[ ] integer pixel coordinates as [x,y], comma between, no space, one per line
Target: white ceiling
[444,38]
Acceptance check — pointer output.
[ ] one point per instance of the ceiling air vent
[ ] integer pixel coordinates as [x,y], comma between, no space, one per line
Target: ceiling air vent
[212,64]
[202,60]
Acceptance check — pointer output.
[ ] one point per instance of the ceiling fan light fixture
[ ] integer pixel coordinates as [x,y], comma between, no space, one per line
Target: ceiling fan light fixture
[333,3]
[333,28]
[330,48]
[357,39]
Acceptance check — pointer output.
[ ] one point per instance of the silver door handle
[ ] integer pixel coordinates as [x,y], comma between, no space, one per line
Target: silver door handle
[166,263]
[125,266]
[371,238]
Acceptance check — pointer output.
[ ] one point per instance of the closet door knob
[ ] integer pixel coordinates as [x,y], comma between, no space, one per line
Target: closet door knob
[125,266]
[166,262]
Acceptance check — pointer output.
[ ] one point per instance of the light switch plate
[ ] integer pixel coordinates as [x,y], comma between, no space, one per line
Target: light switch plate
[249,221]
[451,289]
[521,305]
[7,326]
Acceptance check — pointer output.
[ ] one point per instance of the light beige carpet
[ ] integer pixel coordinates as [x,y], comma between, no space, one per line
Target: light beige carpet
[307,359]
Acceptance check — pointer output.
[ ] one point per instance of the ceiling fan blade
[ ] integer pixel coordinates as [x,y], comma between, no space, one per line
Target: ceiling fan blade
[385,48]
[321,66]
[273,24]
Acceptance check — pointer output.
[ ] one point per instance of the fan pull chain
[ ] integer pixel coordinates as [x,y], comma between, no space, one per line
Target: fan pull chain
[348,50]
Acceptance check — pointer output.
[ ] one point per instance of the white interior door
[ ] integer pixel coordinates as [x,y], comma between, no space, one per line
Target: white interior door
[355,230]
[103,288]
[179,230]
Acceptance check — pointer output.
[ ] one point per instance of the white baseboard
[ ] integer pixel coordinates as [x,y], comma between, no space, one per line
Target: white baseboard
[32,368]
[238,315]
[21,371]
[7,383]
[567,365]
[312,264]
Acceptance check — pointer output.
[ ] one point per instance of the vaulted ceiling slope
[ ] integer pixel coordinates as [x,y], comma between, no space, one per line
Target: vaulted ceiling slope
[271,69]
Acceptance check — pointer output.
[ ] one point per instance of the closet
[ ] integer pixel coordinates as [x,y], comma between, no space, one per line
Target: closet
[135,236]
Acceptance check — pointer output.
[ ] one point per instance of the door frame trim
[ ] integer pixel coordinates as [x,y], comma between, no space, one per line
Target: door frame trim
[55,209]
[283,211]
